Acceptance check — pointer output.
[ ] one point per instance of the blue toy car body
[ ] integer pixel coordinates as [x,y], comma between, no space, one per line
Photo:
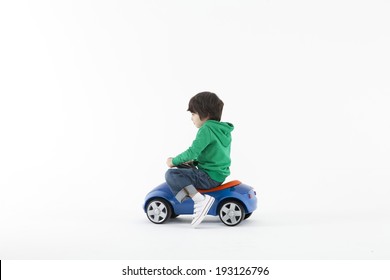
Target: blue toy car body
[234,202]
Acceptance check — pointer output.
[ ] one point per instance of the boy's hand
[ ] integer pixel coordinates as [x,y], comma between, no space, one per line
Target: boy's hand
[169,162]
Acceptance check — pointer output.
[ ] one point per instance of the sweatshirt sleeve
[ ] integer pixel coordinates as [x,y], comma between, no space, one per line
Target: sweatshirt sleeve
[201,141]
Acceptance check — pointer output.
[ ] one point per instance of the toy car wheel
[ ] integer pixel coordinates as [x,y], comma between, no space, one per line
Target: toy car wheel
[231,213]
[158,211]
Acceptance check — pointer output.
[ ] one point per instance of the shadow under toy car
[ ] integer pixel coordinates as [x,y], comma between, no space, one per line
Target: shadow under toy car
[234,202]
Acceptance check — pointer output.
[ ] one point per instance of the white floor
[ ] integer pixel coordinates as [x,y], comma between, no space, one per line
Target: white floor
[265,235]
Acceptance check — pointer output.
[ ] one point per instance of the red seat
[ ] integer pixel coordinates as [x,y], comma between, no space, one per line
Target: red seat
[222,187]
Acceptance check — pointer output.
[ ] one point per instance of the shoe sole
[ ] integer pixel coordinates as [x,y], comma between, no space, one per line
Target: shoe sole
[204,212]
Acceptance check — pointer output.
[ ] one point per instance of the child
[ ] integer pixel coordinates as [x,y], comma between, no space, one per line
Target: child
[210,152]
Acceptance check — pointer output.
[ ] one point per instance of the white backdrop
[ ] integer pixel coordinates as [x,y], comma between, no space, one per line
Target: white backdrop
[94,97]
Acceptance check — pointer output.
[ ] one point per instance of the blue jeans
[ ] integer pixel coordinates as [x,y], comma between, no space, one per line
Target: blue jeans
[183,182]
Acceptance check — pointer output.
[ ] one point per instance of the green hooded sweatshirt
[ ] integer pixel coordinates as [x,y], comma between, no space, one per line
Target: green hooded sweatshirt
[210,149]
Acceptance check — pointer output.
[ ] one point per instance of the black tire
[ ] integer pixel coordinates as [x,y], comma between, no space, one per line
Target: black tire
[158,210]
[231,212]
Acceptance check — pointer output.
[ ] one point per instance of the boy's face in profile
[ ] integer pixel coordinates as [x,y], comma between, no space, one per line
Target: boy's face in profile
[196,120]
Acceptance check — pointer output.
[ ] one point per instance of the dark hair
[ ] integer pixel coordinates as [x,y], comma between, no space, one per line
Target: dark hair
[207,105]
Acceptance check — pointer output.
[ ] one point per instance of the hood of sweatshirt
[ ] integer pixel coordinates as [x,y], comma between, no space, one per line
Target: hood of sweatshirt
[221,130]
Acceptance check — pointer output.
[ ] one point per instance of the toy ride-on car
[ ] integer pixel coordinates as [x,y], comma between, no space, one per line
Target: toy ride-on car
[234,202]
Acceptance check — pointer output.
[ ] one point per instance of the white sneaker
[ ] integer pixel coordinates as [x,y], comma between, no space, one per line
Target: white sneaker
[201,209]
